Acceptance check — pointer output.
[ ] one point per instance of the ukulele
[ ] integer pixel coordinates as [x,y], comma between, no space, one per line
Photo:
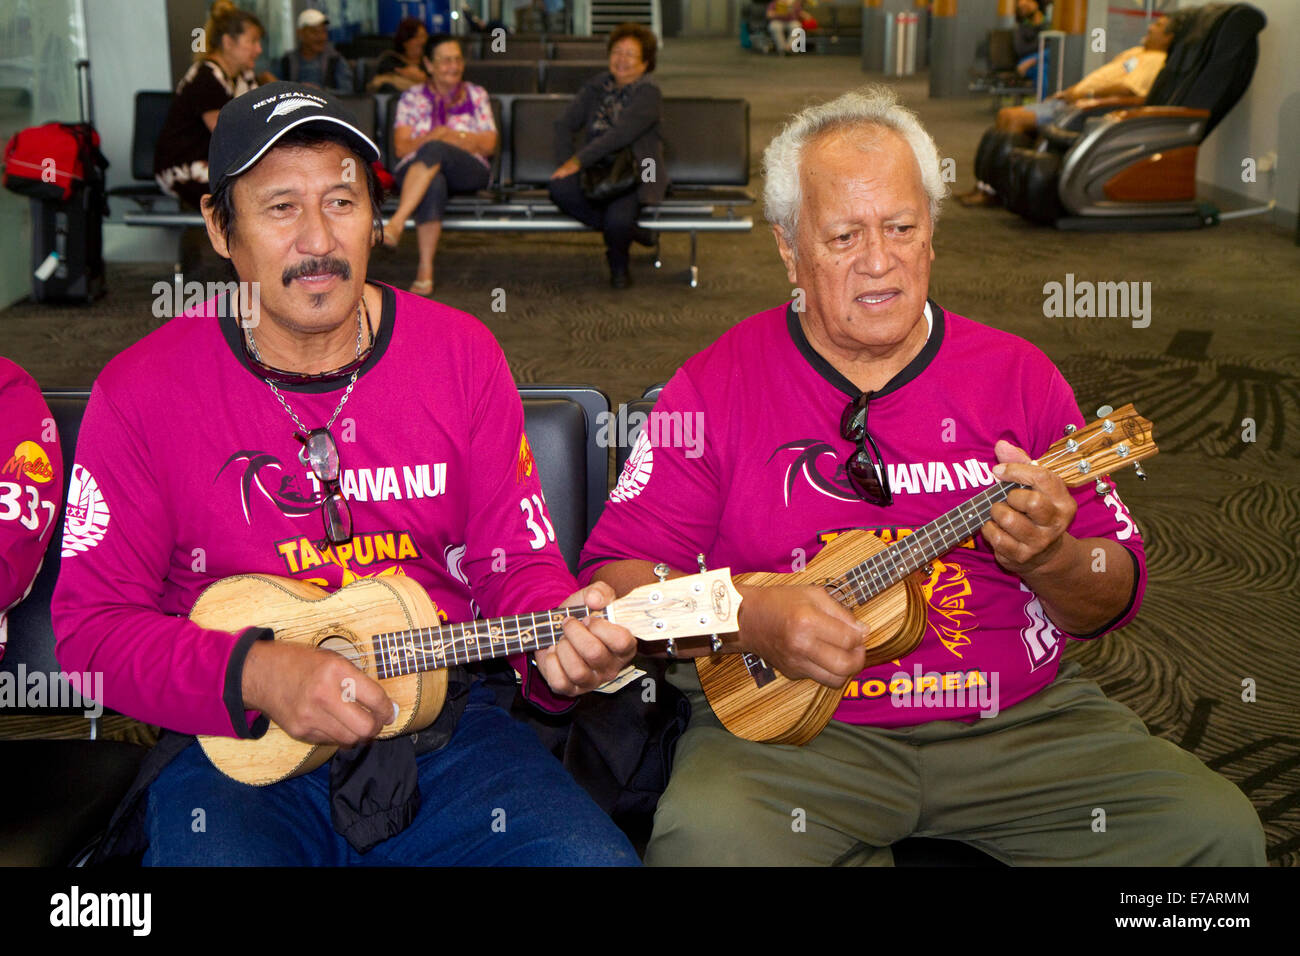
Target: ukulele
[390,630]
[878,584]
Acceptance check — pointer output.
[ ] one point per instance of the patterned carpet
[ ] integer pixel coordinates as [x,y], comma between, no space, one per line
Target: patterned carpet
[1221,516]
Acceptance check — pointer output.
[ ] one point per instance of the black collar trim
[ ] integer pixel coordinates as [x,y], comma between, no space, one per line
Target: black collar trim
[828,371]
[233,335]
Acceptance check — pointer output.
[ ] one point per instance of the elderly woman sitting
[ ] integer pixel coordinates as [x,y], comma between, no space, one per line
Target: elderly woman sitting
[619,113]
[444,136]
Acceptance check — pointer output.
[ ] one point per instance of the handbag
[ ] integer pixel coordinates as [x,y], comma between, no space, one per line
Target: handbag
[51,161]
[611,177]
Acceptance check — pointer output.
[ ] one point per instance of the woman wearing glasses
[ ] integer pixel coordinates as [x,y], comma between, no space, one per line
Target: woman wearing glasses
[444,136]
[620,165]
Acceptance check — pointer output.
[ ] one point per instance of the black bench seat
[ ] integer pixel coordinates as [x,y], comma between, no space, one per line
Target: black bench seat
[706,152]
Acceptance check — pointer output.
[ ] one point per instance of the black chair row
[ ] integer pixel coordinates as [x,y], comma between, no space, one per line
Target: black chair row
[706,152]
[533,76]
[518,73]
[559,46]
[1002,78]
[485,52]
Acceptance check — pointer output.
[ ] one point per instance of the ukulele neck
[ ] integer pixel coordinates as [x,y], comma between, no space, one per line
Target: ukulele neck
[886,568]
[398,653]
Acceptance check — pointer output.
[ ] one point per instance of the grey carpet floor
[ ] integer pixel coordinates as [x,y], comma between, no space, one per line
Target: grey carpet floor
[1221,516]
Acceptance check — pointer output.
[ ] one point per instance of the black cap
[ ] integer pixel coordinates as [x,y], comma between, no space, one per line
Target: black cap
[251,124]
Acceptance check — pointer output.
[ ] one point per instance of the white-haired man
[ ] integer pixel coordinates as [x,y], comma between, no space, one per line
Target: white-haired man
[790,459]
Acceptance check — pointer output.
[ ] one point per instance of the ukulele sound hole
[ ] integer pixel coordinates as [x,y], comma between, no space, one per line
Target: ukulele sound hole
[342,646]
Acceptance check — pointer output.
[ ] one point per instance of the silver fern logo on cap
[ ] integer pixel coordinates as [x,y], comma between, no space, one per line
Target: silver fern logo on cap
[288,106]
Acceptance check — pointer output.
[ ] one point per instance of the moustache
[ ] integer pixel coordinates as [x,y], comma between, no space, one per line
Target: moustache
[317,267]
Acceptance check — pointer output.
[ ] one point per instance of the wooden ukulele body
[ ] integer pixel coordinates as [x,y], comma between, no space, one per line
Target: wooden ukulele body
[341,621]
[783,711]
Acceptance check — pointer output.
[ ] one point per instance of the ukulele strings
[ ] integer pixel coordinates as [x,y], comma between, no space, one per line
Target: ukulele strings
[842,589]
[446,646]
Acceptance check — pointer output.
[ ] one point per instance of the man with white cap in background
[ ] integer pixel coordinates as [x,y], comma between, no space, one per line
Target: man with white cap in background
[316,61]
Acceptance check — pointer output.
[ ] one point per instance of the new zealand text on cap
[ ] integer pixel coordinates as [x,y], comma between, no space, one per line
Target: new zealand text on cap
[251,124]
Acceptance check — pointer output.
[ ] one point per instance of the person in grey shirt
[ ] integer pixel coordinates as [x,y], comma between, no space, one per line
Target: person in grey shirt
[316,61]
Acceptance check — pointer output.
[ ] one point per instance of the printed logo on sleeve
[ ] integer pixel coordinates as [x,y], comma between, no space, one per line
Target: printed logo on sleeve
[29,460]
[526,465]
[636,473]
[86,514]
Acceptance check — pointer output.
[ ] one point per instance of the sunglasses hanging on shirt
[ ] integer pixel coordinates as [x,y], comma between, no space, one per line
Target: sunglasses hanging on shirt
[865,469]
[321,455]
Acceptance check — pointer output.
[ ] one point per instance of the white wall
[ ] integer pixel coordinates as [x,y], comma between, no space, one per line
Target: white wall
[129,50]
[1266,119]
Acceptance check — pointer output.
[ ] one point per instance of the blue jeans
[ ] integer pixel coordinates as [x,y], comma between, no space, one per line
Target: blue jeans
[492,796]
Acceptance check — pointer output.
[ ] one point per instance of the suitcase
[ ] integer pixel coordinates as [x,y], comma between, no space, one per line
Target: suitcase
[68,237]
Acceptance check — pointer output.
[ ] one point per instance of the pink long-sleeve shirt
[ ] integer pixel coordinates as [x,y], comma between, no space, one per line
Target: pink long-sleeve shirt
[187,472]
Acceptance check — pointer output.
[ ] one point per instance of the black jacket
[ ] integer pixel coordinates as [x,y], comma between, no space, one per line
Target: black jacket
[637,126]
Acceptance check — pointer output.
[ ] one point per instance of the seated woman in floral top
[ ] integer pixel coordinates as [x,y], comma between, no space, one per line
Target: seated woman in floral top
[444,136]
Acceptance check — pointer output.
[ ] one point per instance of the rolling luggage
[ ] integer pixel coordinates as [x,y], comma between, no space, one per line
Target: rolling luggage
[59,166]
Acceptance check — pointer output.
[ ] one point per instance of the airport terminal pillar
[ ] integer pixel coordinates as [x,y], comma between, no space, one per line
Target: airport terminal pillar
[1071,18]
[922,8]
[874,24]
[954,40]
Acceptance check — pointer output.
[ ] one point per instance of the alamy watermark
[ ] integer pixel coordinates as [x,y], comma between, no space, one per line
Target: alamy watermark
[953,690]
[664,429]
[1103,300]
[242,300]
[22,689]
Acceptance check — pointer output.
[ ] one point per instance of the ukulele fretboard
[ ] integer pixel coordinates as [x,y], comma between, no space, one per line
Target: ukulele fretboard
[398,653]
[886,568]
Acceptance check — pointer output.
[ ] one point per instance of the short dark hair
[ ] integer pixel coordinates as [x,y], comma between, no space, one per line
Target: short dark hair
[1179,21]
[644,37]
[438,39]
[222,200]
[408,28]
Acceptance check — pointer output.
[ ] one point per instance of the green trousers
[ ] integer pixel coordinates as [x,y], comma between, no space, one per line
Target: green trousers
[1066,777]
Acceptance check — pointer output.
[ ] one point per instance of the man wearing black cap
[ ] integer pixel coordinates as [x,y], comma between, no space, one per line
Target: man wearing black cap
[224,442]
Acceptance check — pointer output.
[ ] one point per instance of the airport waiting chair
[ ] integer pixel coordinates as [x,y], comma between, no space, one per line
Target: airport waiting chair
[563,424]
[586,50]
[151,107]
[498,75]
[58,794]
[570,76]
[1002,78]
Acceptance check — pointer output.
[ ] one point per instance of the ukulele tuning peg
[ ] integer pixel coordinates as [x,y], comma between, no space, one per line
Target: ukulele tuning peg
[1103,489]
[1137,467]
[1104,410]
[661,571]
[699,559]
[1071,429]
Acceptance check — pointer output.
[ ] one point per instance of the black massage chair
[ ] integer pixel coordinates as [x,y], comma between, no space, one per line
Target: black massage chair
[1127,164]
